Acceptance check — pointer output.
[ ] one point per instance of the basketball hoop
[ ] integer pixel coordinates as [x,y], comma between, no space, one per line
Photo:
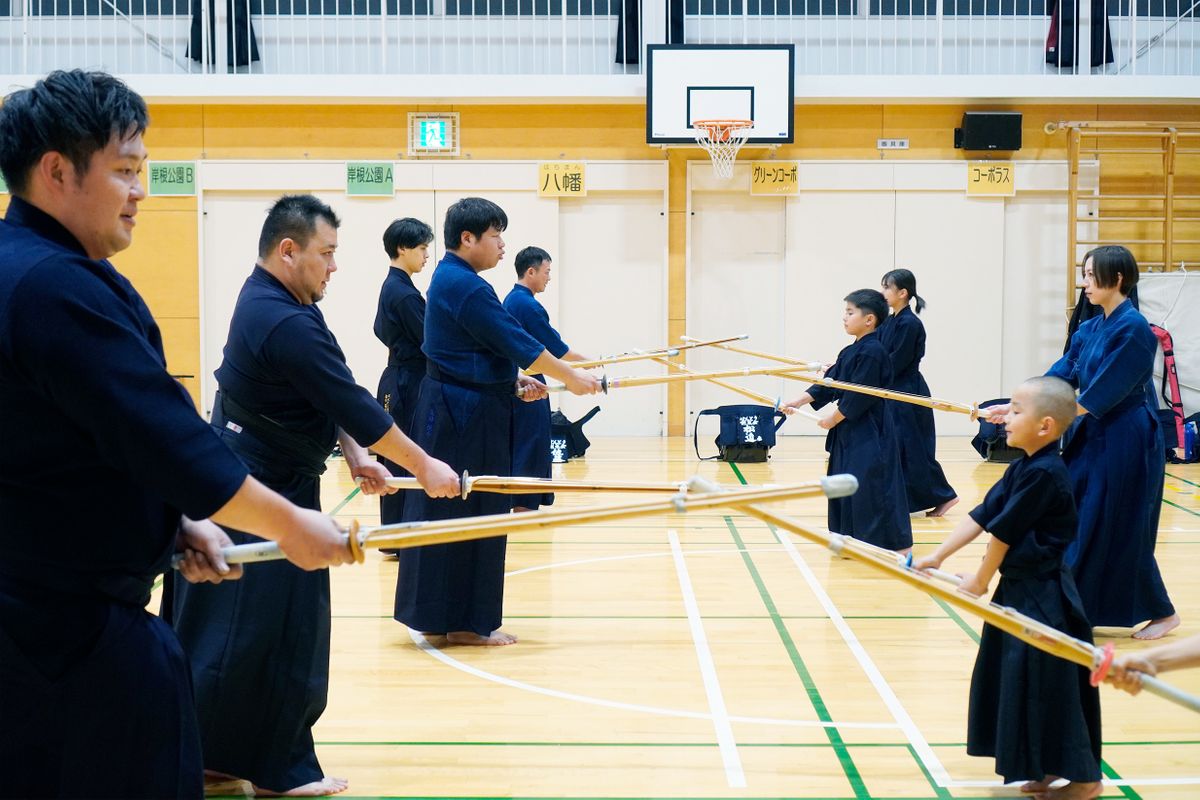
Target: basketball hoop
[721,139]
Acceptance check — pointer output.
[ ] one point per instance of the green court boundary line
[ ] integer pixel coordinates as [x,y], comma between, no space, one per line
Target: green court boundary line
[1182,480]
[616,745]
[857,785]
[590,797]
[345,500]
[1181,508]
[952,614]
[1126,791]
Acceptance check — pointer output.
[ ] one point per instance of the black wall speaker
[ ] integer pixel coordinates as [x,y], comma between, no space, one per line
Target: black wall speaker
[989,130]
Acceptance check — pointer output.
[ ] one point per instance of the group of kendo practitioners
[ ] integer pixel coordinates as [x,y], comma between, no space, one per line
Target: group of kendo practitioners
[108,472]
[1073,522]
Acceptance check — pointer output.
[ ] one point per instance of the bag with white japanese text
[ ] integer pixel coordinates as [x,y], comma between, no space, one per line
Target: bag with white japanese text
[566,438]
[747,433]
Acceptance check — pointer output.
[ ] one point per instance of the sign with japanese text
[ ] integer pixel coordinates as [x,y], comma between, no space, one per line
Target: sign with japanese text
[561,179]
[774,177]
[370,179]
[991,179]
[172,178]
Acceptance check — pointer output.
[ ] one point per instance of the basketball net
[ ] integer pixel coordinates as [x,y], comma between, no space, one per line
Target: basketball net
[721,139]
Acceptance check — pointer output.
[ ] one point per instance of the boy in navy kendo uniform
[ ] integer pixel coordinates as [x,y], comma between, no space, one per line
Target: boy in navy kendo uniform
[861,440]
[1036,714]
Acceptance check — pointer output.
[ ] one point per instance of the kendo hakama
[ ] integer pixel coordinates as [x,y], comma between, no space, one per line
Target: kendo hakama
[400,325]
[464,417]
[531,421]
[864,445]
[1036,714]
[259,647]
[903,336]
[95,693]
[1115,456]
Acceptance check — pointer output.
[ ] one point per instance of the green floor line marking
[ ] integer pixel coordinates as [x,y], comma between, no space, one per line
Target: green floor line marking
[1184,480]
[573,797]
[956,745]
[157,584]
[810,686]
[847,763]
[605,744]
[342,504]
[1182,508]
[962,623]
[1126,791]
[940,791]
[835,738]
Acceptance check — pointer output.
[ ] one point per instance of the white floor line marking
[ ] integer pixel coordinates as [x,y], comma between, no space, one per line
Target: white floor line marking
[631,556]
[924,752]
[429,649]
[734,773]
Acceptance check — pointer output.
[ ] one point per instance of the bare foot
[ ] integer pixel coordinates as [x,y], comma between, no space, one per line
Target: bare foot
[1158,628]
[1074,790]
[1033,787]
[941,510]
[497,639]
[321,788]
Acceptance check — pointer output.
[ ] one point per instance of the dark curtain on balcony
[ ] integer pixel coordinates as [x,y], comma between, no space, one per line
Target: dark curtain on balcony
[1063,38]
[629,28]
[241,45]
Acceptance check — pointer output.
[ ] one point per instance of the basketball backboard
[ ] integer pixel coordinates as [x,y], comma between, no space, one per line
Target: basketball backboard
[689,82]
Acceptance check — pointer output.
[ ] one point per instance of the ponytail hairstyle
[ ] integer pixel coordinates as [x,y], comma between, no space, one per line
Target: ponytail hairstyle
[904,279]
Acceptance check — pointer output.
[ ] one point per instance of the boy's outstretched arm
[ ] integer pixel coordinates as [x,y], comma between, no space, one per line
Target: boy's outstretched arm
[963,534]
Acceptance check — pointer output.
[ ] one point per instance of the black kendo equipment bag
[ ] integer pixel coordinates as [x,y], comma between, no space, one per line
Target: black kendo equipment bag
[747,433]
[566,438]
[990,442]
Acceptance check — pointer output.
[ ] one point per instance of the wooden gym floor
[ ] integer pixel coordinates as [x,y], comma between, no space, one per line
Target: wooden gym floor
[705,656]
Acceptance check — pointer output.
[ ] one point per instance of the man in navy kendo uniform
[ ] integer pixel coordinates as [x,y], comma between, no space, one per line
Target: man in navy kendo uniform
[106,469]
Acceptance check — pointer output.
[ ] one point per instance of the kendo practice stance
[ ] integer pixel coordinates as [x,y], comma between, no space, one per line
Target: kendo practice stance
[96,693]
[100,698]
[531,421]
[260,654]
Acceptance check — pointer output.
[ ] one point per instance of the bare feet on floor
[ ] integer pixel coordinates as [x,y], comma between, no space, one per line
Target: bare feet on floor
[1158,628]
[1074,790]
[321,788]
[1033,787]
[497,639]
[940,511]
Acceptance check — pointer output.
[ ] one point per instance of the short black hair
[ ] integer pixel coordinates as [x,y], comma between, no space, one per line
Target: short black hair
[405,234]
[294,216]
[73,112]
[904,279]
[530,257]
[472,215]
[869,301]
[1109,261]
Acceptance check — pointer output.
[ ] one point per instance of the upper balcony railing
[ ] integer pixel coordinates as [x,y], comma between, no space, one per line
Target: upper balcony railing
[862,38]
